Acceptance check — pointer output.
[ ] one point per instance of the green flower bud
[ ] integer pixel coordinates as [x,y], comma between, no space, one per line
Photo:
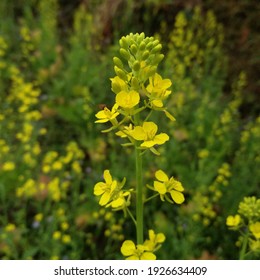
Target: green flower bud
[134,83]
[123,42]
[133,49]
[142,46]
[118,62]
[149,46]
[120,73]
[136,65]
[151,71]
[156,49]
[158,58]
[125,54]
[145,55]
[140,38]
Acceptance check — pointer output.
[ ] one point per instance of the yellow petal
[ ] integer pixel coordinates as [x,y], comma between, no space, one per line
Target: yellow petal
[138,133]
[160,237]
[151,234]
[161,176]
[128,248]
[118,202]
[161,138]
[127,99]
[107,177]
[177,197]
[159,187]
[99,188]
[148,256]
[148,144]
[133,257]
[150,128]
[101,114]
[157,103]
[104,199]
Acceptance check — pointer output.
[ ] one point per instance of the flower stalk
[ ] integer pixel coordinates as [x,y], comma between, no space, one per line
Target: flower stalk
[139,195]
[139,91]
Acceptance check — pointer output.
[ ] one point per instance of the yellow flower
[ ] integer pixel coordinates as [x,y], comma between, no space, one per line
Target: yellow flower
[147,134]
[56,235]
[10,228]
[154,240]
[66,239]
[8,166]
[120,200]
[38,217]
[255,229]
[105,189]
[127,100]
[64,226]
[165,185]
[76,167]
[106,115]
[233,221]
[136,252]
[57,165]
[118,84]
[157,90]
[254,245]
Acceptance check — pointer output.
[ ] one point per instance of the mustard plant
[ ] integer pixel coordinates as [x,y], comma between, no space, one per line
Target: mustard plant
[140,92]
[247,222]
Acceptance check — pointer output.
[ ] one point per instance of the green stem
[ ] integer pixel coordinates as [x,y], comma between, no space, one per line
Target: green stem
[151,197]
[244,246]
[139,196]
[131,215]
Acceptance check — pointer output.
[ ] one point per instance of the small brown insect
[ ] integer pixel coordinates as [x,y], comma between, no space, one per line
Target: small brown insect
[102,106]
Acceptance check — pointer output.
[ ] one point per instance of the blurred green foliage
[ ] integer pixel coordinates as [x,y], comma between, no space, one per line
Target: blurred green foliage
[55,66]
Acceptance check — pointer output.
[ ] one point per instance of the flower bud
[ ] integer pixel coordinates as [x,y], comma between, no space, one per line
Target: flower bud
[157,59]
[134,83]
[136,65]
[156,49]
[151,71]
[120,73]
[142,46]
[133,49]
[125,54]
[123,42]
[149,46]
[118,62]
[145,55]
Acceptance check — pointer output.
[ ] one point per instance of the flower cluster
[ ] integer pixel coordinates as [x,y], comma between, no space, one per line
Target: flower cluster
[138,88]
[143,251]
[139,91]
[248,218]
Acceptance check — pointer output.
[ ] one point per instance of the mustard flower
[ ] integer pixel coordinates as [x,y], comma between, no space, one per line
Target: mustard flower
[136,252]
[166,185]
[127,100]
[233,221]
[56,235]
[255,229]
[147,134]
[106,115]
[8,166]
[118,84]
[120,200]
[155,240]
[105,189]
[157,90]
[10,228]
[66,239]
